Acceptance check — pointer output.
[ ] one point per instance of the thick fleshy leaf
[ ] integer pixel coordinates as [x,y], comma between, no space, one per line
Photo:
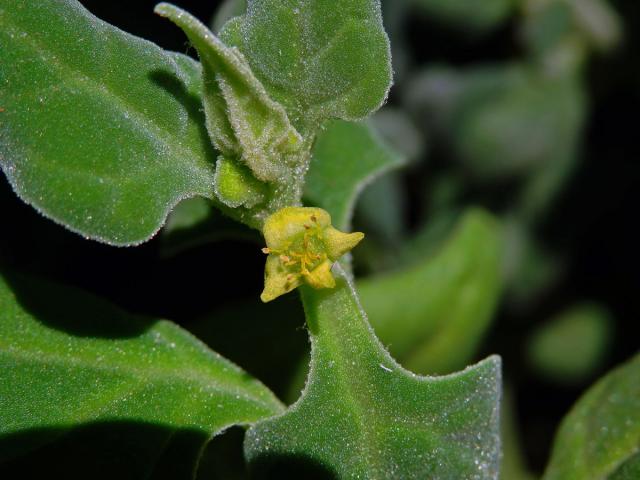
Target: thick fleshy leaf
[347,156]
[434,312]
[76,370]
[241,118]
[319,58]
[264,157]
[602,431]
[363,416]
[100,131]
[238,331]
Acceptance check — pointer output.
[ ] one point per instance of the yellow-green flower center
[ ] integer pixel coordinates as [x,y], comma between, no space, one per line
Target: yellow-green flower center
[302,246]
[305,251]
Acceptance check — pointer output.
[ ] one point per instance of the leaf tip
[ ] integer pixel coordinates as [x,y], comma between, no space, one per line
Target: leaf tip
[164,9]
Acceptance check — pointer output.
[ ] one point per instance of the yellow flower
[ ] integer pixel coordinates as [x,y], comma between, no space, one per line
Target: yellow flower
[302,247]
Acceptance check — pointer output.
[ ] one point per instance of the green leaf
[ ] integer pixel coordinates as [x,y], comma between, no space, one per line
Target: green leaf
[380,210]
[470,15]
[398,129]
[362,416]
[238,331]
[347,156]
[236,186]
[241,118]
[100,131]
[195,222]
[70,363]
[630,470]
[253,132]
[319,58]
[187,215]
[434,312]
[227,10]
[573,344]
[602,431]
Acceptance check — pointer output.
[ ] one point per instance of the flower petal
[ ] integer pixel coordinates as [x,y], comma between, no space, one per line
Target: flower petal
[338,243]
[277,280]
[321,276]
[289,222]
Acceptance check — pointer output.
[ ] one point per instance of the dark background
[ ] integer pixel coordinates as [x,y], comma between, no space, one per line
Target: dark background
[594,220]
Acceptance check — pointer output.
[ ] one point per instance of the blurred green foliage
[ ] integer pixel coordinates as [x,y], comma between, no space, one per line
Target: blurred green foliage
[467,14]
[571,346]
[599,437]
[433,313]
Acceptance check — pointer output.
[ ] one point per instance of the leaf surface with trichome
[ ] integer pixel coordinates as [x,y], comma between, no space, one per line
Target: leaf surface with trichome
[319,58]
[601,433]
[70,363]
[346,157]
[361,415]
[99,130]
